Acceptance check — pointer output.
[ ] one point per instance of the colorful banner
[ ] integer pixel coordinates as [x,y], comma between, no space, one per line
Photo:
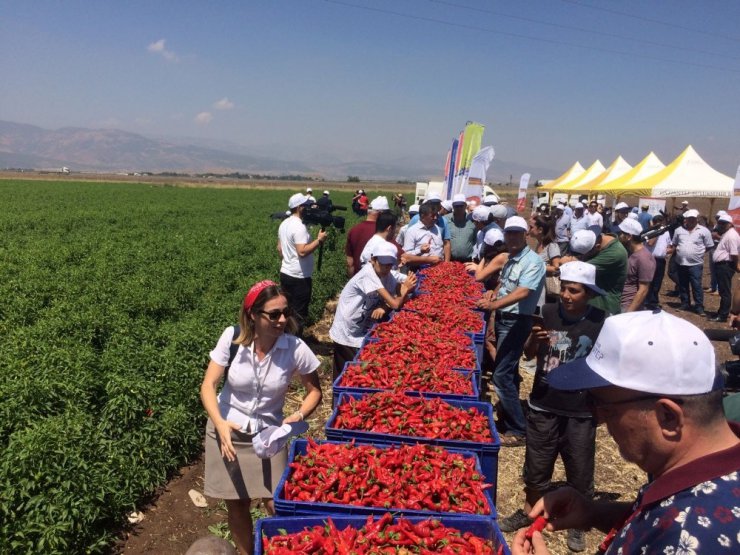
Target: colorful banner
[734,209]
[521,201]
[470,140]
[473,189]
[450,175]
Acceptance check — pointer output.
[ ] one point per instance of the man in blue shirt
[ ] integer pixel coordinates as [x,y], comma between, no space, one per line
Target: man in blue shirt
[520,285]
[644,217]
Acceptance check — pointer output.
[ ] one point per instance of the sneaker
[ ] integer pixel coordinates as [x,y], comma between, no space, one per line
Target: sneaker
[700,312]
[512,523]
[576,540]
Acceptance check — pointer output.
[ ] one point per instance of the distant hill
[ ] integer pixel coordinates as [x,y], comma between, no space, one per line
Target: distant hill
[113,150]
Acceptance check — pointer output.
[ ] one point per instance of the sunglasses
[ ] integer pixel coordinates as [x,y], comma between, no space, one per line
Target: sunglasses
[274,315]
[595,404]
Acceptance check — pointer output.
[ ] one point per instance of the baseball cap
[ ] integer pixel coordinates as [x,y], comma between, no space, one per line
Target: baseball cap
[693,213]
[516,223]
[326,192]
[631,226]
[458,199]
[379,203]
[725,218]
[432,197]
[581,272]
[414,209]
[493,236]
[622,206]
[579,205]
[490,198]
[385,252]
[271,440]
[559,206]
[498,211]
[297,200]
[582,241]
[447,205]
[647,351]
[685,202]
[309,190]
[632,216]
[480,213]
[721,213]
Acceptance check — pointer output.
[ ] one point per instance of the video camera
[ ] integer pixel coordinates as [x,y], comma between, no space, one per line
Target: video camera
[316,216]
[658,231]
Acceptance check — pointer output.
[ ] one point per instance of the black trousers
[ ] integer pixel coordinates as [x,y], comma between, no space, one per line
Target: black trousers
[652,300]
[673,269]
[724,272]
[342,354]
[298,291]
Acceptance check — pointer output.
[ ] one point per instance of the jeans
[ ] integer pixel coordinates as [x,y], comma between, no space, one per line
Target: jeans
[652,300]
[511,333]
[691,276]
[724,271]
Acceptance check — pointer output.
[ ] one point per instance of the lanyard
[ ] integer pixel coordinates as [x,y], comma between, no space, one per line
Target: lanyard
[255,370]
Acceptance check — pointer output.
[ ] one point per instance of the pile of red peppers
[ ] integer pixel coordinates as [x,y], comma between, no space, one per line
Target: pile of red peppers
[399,414]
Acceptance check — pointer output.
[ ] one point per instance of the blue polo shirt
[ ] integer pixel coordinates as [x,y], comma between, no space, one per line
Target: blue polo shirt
[525,269]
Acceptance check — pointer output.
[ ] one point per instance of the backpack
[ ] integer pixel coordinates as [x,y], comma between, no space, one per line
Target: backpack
[233,348]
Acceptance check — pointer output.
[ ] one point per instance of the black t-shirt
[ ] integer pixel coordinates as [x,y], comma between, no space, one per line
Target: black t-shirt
[572,339]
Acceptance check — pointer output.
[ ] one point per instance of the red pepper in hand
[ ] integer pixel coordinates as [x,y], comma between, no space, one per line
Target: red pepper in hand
[537,526]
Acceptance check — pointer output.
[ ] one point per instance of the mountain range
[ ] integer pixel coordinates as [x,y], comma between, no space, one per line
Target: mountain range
[113,150]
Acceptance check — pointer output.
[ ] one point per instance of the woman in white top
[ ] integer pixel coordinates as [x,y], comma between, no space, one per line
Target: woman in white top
[267,358]
[361,299]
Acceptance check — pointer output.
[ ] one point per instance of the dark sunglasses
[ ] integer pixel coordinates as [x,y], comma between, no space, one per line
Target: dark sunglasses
[595,404]
[274,315]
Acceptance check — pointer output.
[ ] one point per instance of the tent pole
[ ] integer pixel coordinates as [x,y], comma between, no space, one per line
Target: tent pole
[711,210]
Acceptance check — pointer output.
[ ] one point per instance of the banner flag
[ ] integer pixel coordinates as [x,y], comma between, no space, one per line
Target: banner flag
[734,209]
[456,167]
[447,165]
[521,201]
[473,135]
[473,189]
[450,176]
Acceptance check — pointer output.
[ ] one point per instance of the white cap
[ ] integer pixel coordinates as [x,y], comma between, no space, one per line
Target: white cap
[622,206]
[447,205]
[309,190]
[632,216]
[693,213]
[490,198]
[379,203]
[559,206]
[458,199]
[297,200]
[581,272]
[432,196]
[493,236]
[685,202]
[721,213]
[651,352]
[631,227]
[326,192]
[725,218]
[516,223]
[385,251]
[498,211]
[582,241]
[414,208]
[579,205]
[480,213]
[270,441]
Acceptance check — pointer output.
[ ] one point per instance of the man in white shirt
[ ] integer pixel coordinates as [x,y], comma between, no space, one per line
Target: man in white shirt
[296,250]
[562,222]
[593,217]
[385,229]
[578,221]
[691,242]
[725,258]
[423,243]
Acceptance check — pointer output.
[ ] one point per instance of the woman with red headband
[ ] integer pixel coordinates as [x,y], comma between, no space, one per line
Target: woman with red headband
[253,396]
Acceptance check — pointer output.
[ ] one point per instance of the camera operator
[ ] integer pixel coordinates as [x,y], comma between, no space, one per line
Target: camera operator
[325,203]
[296,250]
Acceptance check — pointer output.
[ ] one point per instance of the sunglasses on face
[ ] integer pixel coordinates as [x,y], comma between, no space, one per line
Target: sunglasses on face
[274,315]
[595,404]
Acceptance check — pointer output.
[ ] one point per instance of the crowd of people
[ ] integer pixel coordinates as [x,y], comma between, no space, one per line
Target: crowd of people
[567,287]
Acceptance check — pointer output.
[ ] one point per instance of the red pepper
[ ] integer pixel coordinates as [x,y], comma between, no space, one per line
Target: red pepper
[537,526]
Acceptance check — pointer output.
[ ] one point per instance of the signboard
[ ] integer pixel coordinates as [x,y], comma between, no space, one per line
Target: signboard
[521,201]
[655,205]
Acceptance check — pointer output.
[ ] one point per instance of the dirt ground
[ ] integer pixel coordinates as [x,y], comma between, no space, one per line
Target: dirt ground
[171,522]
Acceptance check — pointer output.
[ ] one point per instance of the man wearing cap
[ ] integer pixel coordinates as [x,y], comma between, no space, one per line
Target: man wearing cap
[621,210]
[562,223]
[725,258]
[640,266]
[462,231]
[361,299]
[481,218]
[490,199]
[325,202]
[594,217]
[423,243]
[385,230]
[690,242]
[521,282]
[578,221]
[435,201]
[296,250]
[360,234]
[604,251]
[560,422]
[651,379]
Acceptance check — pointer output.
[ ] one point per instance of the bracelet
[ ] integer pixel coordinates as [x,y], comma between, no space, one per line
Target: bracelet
[300,414]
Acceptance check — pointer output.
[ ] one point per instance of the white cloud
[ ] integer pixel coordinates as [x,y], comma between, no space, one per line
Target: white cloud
[223,104]
[204,118]
[159,48]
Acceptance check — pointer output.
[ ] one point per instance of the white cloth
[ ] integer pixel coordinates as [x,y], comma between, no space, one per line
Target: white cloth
[238,400]
[594,219]
[561,228]
[356,302]
[294,232]
[369,246]
[728,246]
[402,234]
[418,235]
[660,248]
[692,245]
[577,224]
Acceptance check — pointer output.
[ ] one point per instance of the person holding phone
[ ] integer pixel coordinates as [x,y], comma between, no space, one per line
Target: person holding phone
[253,396]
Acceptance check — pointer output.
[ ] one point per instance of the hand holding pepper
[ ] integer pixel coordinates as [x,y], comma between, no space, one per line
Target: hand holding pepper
[526,546]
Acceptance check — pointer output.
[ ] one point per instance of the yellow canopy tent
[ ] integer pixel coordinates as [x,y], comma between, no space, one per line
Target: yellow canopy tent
[574,171]
[687,176]
[617,169]
[594,170]
[647,167]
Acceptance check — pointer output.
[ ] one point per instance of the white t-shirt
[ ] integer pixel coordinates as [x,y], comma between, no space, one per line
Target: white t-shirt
[356,302]
[418,235]
[293,232]
[660,248]
[239,401]
[594,219]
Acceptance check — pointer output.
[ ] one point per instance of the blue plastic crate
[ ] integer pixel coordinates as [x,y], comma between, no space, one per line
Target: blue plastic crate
[474,377]
[274,526]
[285,507]
[487,452]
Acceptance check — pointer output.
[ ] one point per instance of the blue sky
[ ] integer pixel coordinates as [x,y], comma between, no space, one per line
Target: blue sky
[553,81]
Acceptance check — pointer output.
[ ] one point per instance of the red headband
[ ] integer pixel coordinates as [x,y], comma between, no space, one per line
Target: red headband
[254,292]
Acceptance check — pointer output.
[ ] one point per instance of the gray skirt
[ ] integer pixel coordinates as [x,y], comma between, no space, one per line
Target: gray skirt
[247,477]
